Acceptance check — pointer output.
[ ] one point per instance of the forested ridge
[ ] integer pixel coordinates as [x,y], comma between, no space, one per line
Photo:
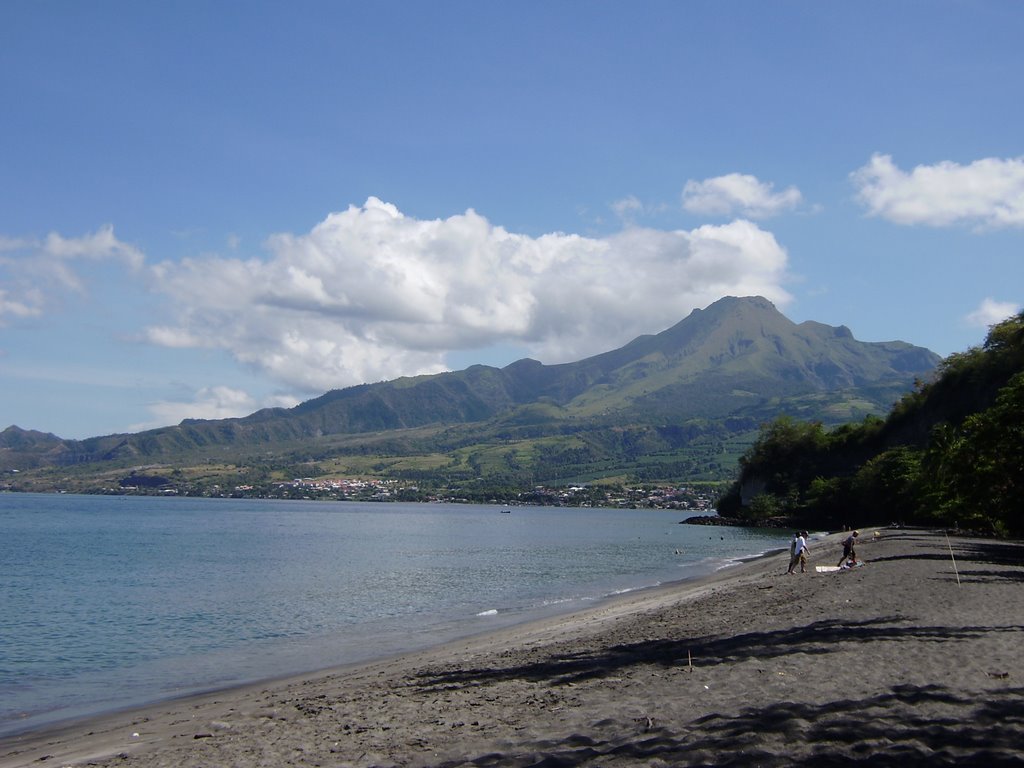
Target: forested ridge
[951,452]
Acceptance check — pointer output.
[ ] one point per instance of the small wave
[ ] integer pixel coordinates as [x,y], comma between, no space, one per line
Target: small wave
[492,612]
[627,590]
[559,600]
[713,564]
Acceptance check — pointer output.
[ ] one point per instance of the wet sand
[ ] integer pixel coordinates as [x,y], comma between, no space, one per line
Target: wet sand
[915,657]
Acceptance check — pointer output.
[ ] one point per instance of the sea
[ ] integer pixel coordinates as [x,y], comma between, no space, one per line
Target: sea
[111,602]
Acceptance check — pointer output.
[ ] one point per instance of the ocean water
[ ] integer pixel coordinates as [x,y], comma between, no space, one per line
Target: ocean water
[110,602]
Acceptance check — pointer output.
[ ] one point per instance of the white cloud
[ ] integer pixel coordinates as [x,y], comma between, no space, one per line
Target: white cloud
[13,243]
[175,338]
[100,245]
[29,305]
[627,208]
[371,294]
[630,207]
[987,193]
[40,272]
[990,312]
[218,402]
[738,194]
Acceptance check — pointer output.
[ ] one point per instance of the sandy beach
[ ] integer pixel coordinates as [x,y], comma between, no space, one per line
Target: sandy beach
[916,656]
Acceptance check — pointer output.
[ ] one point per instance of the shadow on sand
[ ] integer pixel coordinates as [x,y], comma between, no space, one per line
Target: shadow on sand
[885,730]
[820,637]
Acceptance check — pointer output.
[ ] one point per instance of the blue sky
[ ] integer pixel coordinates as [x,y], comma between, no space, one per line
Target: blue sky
[211,207]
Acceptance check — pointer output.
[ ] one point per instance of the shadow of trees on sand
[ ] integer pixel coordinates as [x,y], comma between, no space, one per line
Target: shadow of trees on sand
[894,723]
[820,637]
[908,725]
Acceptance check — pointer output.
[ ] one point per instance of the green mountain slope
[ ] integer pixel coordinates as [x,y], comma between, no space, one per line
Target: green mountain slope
[720,371]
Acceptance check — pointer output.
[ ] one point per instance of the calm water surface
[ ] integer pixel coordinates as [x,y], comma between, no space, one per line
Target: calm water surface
[107,602]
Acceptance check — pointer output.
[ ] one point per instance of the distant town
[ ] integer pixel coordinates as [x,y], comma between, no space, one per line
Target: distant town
[682,497]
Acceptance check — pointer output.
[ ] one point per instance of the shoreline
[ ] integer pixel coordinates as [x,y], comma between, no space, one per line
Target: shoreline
[629,596]
[199,607]
[346,654]
[745,661]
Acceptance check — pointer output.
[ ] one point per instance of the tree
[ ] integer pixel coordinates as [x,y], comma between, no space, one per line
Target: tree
[982,465]
[763,506]
[888,485]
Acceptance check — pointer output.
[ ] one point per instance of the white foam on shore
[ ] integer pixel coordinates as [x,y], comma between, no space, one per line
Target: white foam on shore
[561,600]
[627,590]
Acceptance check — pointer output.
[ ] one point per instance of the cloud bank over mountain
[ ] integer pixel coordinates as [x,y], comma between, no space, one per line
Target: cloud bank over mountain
[370,293]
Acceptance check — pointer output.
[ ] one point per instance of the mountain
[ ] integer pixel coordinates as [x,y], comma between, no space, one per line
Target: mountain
[726,367]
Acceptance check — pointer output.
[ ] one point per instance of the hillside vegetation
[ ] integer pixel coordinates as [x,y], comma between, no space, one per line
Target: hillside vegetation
[681,405]
[949,453]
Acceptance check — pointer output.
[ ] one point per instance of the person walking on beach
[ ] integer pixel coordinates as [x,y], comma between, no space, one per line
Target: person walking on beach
[798,552]
[849,551]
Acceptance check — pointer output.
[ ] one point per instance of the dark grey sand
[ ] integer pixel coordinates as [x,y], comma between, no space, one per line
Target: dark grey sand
[893,662]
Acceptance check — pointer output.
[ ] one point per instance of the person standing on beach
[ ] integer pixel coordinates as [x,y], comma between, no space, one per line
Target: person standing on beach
[849,551]
[798,552]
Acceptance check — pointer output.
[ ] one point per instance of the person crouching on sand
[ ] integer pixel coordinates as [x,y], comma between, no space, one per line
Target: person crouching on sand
[849,552]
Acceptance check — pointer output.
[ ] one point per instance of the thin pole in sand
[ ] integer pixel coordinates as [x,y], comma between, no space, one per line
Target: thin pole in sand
[953,559]
[689,658]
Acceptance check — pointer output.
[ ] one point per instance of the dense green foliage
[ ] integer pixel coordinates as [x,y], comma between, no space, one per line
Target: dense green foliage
[951,453]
